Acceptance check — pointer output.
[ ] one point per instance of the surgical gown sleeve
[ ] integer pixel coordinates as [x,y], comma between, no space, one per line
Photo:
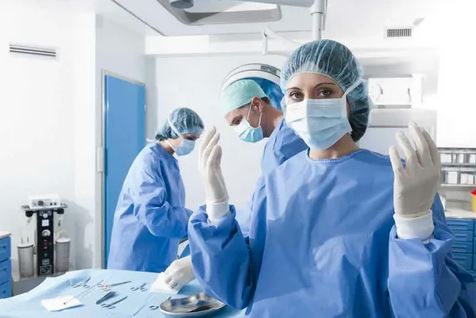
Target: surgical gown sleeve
[154,211]
[424,281]
[224,261]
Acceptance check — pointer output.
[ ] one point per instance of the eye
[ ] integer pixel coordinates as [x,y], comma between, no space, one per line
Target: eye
[325,92]
[295,96]
[236,121]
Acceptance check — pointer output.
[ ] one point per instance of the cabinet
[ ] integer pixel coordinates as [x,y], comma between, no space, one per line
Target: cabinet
[464,246]
[5,265]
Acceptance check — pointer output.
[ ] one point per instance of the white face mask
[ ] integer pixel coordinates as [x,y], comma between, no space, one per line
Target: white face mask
[320,122]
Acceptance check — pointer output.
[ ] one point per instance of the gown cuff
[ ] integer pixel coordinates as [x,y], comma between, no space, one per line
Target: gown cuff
[420,227]
[217,211]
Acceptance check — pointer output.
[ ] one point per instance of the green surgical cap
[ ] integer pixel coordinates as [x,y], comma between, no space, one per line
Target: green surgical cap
[240,93]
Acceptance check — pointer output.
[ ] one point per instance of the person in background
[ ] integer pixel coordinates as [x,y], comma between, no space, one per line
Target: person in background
[150,217]
[336,231]
[248,109]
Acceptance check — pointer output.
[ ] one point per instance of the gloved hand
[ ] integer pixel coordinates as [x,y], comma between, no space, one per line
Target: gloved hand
[216,195]
[179,273]
[416,184]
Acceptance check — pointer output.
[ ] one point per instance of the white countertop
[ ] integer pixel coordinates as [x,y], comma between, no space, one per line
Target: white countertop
[460,214]
[4,234]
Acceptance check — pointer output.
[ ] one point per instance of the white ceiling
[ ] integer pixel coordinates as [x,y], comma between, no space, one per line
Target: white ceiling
[345,18]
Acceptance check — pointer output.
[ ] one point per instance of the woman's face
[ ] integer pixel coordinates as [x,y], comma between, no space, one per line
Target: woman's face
[311,86]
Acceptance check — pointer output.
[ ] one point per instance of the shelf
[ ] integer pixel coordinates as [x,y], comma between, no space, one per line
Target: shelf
[459,168]
[460,213]
[469,186]
[450,151]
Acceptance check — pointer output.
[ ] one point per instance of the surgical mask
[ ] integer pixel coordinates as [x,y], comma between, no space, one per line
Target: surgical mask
[185,147]
[248,133]
[320,122]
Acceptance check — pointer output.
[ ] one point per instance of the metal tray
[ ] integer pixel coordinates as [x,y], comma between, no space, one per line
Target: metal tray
[198,305]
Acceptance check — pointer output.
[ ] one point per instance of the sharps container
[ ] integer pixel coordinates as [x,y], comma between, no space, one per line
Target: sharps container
[25,259]
[62,254]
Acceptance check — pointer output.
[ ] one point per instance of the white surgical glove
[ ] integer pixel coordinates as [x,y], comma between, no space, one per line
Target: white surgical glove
[216,195]
[415,185]
[179,273]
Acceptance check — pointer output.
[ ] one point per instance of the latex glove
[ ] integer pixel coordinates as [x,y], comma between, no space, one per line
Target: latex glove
[179,273]
[416,184]
[216,195]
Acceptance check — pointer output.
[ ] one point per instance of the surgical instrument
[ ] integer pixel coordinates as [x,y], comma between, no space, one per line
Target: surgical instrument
[83,283]
[141,287]
[113,305]
[108,296]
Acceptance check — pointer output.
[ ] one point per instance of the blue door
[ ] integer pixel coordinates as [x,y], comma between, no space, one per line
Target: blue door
[124,138]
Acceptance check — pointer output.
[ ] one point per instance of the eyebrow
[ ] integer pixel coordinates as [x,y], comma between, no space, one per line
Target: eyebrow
[326,83]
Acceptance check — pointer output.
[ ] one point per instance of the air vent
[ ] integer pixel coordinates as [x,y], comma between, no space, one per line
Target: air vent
[21,49]
[399,32]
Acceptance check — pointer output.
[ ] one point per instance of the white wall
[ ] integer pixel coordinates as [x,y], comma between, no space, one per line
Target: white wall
[195,82]
[45,107]
[50,113]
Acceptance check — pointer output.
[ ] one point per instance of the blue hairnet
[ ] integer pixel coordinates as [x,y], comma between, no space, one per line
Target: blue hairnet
[335,60]
[185,120]
[272,91]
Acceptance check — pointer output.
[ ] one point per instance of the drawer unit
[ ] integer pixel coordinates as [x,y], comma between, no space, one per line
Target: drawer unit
[464,259]
[6,289]
[5,265]
[463,236]
[462,247]
[5,271]
[464,244]
[457,225]
[5,248]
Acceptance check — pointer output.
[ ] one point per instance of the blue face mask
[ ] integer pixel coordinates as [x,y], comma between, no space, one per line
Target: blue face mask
[320,122]
[248,133]
[185,147]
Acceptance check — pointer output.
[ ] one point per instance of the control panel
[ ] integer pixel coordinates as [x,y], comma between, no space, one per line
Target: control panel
[45,247]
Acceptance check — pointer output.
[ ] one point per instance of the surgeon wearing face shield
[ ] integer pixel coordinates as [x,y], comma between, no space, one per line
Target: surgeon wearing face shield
[150,217]
[336,231]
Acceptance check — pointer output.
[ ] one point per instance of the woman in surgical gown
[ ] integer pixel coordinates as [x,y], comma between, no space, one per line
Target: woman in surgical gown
[336,231]
[150,216]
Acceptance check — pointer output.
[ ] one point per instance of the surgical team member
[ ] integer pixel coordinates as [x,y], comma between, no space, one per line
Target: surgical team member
[336,231]
[150,216]
[247,108]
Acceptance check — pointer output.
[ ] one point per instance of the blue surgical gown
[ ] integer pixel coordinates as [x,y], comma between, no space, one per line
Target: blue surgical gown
[282,144]
[322,243]
[150,216]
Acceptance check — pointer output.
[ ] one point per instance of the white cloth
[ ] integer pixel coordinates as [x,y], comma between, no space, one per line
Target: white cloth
[60,303]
